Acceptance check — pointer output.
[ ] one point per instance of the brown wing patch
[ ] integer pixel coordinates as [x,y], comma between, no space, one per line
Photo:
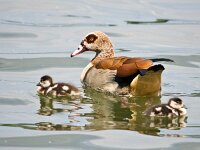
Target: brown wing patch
[132,66]
[144,64]
[125,66]
[111,63]
[126,70]
[91,38]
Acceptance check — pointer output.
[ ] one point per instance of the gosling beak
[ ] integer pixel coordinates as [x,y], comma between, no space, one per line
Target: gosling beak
[184,107]
[80,49]
[38,84]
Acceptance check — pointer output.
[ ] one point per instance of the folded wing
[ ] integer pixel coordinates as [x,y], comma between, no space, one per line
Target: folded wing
[125,66]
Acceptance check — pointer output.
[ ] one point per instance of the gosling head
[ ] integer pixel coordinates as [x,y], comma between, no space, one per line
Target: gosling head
[176,103]
[45,81]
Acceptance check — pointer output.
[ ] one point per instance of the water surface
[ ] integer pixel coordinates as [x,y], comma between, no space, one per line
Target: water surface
[37,38]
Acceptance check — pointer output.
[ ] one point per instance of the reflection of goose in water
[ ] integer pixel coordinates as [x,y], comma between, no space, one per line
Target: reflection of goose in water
[98,111]
[127,113]
[114,112]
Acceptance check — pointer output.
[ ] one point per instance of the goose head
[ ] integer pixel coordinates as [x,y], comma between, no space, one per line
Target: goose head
[97,42]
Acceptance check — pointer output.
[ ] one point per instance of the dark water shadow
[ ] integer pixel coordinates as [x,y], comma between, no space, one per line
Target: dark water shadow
[123,50]
[148,22]
[164,21]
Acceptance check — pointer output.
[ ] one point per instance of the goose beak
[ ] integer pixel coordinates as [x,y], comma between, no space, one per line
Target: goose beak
[80,49]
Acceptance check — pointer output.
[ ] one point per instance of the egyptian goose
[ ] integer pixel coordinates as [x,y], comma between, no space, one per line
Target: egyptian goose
[48,88]
[174,107]
[118,75]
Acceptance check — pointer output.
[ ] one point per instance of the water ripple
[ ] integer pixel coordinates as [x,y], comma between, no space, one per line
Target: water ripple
[23,23]
[76,16]
[17,35]
[195,94]
[38,63]
[13,101]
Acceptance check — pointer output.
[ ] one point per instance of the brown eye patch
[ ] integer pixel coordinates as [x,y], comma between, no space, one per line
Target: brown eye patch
[91,38]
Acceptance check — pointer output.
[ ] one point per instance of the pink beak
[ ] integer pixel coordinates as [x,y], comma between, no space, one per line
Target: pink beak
[80,49]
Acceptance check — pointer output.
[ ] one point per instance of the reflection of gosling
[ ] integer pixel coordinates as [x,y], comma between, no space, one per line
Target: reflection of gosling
[174,107]
[47,87]
[167,122]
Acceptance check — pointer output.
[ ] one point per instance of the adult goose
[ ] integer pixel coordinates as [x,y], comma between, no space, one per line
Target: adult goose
[118,75]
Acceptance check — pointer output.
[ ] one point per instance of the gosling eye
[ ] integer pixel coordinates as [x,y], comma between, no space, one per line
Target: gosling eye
[43,82]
